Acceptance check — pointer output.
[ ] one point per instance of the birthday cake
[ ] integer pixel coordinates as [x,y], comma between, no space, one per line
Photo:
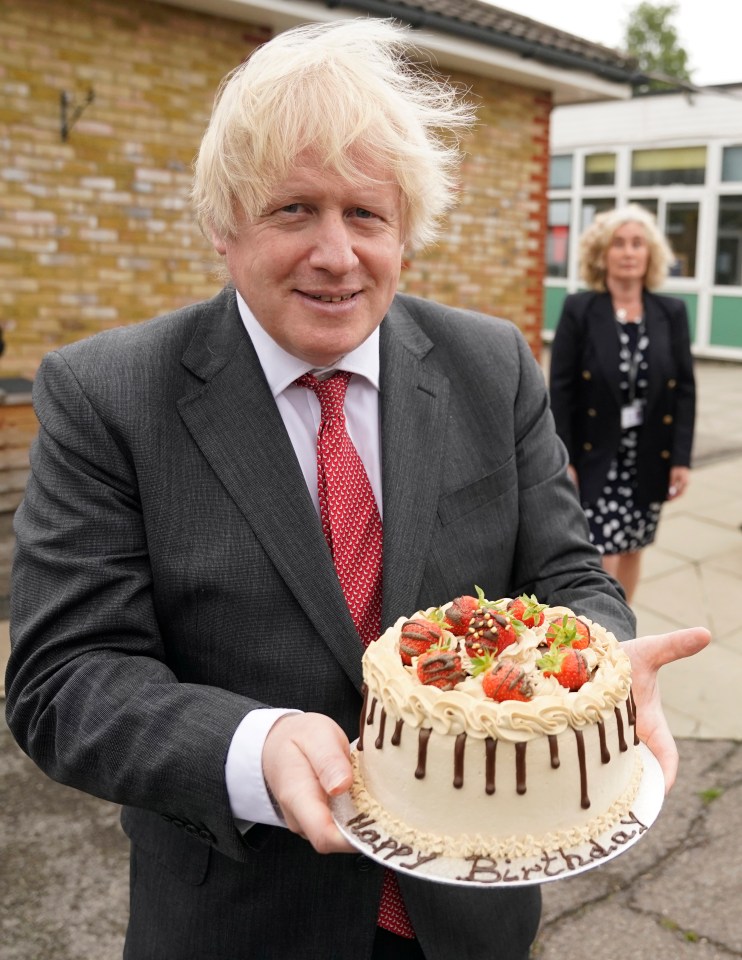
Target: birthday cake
[498,728]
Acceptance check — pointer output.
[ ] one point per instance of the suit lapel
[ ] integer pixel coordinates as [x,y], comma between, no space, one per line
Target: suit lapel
[659,349]
[414,405]
[235,422]
[605,340]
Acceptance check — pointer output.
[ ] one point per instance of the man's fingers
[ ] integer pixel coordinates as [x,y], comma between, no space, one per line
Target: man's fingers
[305,760]
[657,650]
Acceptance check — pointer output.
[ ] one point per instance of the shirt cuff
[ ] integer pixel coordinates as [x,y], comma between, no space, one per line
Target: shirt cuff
[243,771]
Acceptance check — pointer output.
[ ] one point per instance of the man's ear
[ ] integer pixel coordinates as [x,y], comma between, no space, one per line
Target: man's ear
[218,242]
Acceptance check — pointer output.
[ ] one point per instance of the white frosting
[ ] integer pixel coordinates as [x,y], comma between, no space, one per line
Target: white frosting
[535,804]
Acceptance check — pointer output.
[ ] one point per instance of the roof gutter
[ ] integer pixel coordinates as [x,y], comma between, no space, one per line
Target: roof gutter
[423,19]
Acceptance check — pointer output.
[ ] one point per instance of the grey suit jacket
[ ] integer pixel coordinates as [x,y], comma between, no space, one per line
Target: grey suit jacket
[171,575]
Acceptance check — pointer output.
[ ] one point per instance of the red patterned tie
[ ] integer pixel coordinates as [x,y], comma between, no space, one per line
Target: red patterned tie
[352,528]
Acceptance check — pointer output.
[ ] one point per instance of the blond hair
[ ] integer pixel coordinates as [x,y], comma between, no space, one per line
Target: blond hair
[349,92]
[597,238]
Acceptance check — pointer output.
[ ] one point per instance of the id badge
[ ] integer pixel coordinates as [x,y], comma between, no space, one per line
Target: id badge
[632,415]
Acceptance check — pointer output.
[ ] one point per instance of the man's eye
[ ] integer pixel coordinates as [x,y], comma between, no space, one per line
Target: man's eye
[364,214]
[291,208]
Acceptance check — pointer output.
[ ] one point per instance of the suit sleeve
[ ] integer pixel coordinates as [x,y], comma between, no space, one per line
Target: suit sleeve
[90,695]
[685,391]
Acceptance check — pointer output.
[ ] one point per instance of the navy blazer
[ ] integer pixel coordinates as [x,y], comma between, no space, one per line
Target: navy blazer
[586,394]
[171,575]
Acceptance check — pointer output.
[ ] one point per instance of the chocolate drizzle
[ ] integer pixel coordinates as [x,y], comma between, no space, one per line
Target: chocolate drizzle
[490,748]
[382,727]
[605,754]
[490,753]
[397,735]
[520,767]
[458,761]
[584,798]
[364,690]
[422,751]
[622,746]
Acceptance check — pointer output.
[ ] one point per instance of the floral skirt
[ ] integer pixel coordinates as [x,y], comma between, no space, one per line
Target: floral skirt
[617,523]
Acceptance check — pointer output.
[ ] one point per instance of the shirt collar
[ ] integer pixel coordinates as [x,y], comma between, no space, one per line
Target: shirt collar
[282,368]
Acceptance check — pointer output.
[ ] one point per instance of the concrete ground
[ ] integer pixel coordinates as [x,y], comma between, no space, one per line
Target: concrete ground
[675,895]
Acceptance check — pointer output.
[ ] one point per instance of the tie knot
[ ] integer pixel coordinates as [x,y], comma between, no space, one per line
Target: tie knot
[330,392]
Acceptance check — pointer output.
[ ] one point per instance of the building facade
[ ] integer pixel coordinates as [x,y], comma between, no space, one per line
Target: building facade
[678,154]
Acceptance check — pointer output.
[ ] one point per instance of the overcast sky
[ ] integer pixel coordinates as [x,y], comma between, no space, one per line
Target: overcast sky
[709,30]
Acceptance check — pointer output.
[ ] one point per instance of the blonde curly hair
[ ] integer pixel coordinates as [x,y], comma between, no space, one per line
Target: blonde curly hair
[596,239]
[348,91]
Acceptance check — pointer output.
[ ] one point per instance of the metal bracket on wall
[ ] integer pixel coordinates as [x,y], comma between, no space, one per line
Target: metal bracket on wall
[69,113]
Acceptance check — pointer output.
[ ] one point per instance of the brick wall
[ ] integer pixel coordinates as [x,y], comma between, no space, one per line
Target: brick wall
[96,231]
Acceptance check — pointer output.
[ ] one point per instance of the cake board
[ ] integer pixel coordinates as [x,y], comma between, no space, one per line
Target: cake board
[362,832]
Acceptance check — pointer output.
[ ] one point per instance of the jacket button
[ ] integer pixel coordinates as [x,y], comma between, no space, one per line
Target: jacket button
[672,384]
[592,412]
[587,446]
[665,454]
[364,864]
[667,418]
[586,375]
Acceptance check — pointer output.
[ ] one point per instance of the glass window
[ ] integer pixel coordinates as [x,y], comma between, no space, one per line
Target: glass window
[600,170]
[649,203]
[592,207]
[681,228]
[557,238]
[668,166]
[731,164]
[560,172]
[728,270]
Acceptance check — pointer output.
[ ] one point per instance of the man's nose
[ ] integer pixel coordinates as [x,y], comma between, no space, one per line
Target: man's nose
[332,246]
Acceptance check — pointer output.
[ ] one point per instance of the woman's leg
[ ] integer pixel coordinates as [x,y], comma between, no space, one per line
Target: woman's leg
[624,567]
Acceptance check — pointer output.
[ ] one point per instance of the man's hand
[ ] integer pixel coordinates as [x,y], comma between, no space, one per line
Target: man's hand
[306,760]
[647,655]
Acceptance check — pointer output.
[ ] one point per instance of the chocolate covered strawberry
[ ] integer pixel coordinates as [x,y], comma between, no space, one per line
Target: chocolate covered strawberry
[527,609]
[491,631]
[440,667]
[567,666]
[460,611]
[418,635]
[569,632]
[506,681]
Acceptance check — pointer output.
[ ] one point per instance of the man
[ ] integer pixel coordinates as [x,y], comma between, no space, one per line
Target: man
[185,642]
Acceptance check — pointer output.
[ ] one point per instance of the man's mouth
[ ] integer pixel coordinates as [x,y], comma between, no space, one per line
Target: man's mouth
[327,298]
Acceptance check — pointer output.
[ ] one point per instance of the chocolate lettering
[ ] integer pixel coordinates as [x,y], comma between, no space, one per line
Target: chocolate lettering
[547,859]
[573,860]
[482,870]
[421,859]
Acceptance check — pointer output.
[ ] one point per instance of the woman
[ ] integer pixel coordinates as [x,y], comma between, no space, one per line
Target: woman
[622,387]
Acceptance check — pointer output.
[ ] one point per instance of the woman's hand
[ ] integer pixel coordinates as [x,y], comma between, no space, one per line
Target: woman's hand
[679,480]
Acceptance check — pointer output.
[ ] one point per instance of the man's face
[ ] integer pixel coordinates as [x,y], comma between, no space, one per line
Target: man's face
[320,266]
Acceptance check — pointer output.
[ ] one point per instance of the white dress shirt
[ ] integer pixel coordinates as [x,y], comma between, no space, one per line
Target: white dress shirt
[300,411]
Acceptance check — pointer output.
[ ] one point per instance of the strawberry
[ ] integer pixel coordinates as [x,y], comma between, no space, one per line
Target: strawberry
[439,667]
[491,631]
[527,609]
[567,666]
[459,613]
[569,632]
[418,635]
[506,681]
